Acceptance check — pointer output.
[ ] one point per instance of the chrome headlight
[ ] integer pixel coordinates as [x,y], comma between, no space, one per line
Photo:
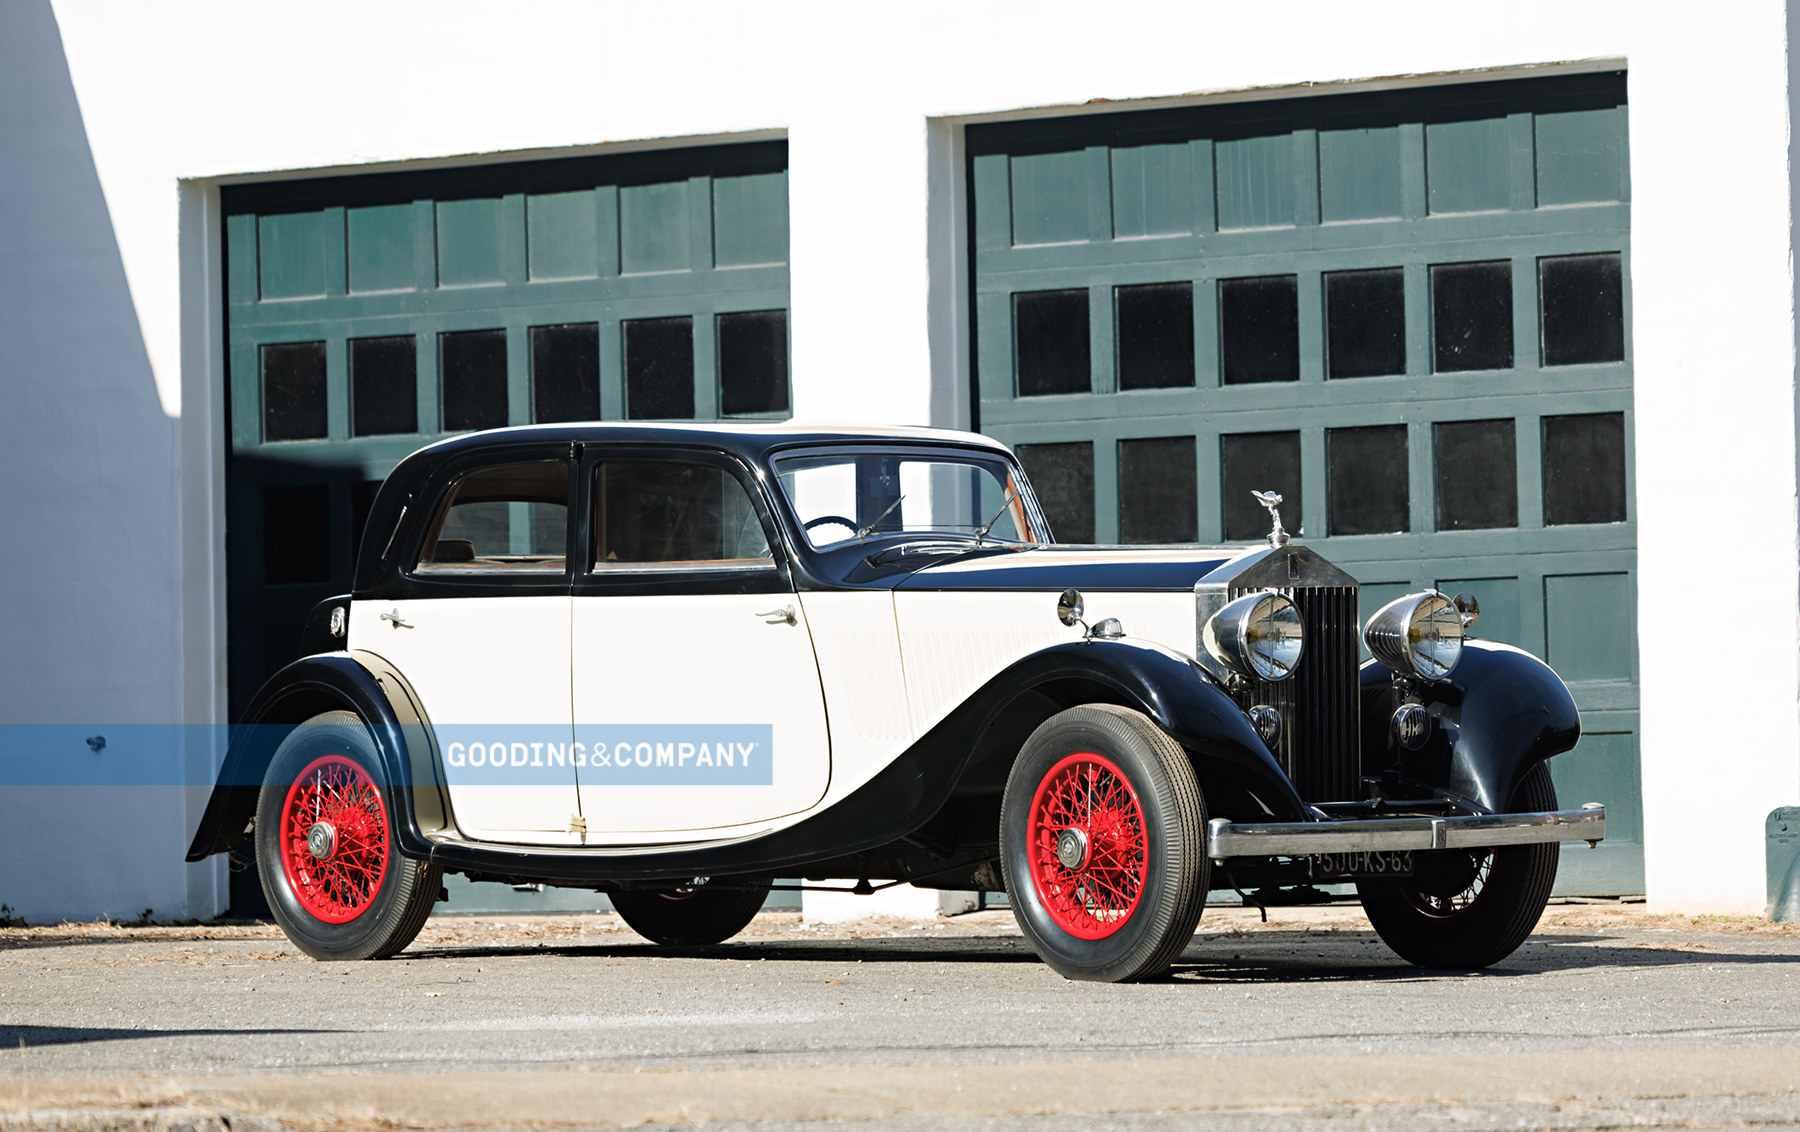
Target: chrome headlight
[1258,635]
[1419,635]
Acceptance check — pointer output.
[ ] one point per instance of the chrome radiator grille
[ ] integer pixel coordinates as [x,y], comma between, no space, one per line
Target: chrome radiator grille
[1319,705]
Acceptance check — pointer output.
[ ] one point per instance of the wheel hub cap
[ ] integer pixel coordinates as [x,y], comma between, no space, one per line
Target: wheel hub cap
[1072,849]
[321,839]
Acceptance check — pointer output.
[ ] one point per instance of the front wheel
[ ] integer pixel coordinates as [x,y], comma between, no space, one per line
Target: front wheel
[1464,909]
[325,846]
[693,917]
[1100,843]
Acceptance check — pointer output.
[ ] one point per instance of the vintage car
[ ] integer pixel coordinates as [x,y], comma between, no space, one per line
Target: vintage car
[672,662]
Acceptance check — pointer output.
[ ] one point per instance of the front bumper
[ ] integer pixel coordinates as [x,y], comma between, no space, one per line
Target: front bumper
[1226,839]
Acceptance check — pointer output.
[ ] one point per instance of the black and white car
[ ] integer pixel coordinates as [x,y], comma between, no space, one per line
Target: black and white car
[671,662]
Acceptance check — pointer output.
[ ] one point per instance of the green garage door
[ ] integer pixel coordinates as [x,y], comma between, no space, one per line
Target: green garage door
[1408,312]
[367,316]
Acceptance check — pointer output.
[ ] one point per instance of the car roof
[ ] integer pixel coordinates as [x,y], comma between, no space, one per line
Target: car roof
[754,440]
[751,441]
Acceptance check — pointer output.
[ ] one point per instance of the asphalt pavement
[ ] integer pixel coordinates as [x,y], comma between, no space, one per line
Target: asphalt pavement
[1609,1017]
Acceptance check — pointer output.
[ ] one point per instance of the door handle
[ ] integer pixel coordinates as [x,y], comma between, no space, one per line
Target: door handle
[782,616]
[394,616]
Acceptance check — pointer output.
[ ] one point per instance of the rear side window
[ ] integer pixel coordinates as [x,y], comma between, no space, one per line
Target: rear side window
[672,513]
[512,519]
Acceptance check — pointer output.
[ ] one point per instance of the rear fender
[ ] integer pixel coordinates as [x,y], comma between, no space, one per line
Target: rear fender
[359,682]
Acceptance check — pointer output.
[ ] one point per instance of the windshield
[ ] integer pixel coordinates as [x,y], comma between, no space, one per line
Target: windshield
[843,497]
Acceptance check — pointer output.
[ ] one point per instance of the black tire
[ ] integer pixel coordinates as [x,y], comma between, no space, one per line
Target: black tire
[1129,905]
[693,917]
[1462,910]
[340,906]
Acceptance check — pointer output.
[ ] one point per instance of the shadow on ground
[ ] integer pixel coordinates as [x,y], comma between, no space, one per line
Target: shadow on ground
[1265,957]
[32,1037]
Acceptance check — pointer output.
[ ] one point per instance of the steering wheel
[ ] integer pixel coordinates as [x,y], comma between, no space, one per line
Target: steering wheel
[822,520]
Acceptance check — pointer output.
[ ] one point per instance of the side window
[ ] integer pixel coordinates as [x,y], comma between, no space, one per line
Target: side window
[513,519]
[663,512]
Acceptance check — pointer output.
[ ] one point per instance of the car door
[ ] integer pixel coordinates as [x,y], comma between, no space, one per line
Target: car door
[480,629]
[696,693]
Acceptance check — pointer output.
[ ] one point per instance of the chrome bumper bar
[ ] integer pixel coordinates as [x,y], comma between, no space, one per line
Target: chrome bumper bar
[1226,838]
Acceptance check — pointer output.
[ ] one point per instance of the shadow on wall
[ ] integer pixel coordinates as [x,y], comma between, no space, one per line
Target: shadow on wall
[90,569]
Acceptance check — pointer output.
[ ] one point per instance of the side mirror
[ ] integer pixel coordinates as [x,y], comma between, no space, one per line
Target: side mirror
[1070,607]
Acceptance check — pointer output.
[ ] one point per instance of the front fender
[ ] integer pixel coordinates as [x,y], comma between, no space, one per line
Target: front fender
[1501,712]
[1172,690]
[354,681]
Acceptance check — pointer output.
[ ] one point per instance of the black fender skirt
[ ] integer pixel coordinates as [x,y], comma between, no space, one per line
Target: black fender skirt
[901,798]
[1501,712]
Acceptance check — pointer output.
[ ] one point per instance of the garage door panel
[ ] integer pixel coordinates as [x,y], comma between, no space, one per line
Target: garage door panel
[563,234]
[381,242]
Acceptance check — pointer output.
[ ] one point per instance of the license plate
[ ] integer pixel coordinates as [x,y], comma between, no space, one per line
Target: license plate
[1362,863]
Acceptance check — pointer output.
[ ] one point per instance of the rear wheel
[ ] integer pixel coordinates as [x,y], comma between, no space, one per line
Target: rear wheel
[693,917]
[1464,909]
[1100,842]
[325,846]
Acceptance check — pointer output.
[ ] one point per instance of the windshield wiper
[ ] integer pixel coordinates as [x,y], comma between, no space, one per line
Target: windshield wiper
[870,529]
[985,527]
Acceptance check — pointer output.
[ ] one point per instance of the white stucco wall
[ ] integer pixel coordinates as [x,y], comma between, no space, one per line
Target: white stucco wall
[105,270]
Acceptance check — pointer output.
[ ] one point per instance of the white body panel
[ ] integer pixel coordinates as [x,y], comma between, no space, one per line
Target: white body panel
[953,643]
[694,670]
[489,670]
[1166,619]
[858,645]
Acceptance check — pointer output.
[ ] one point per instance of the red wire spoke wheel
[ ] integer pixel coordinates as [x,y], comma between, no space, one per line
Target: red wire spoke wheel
[1088,846]
[1101,844]
[336,879]
[334,839]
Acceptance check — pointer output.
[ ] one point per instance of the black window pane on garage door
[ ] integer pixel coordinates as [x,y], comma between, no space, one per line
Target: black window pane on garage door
[293,391]
[1158,500]
[1477,475]
[1258,461]
[473,365]
[1367,480]
[1050,342]
[753,362]
[1365,323]
[296,533]
[384,385]
[1155,329]
[1471,316]
[659,369]
[1062,477]
[1259,329]
[1584,468]
[1583,309]
[565,372]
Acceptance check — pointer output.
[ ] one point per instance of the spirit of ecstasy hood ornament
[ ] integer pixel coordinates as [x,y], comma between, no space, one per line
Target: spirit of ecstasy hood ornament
[1269,499]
